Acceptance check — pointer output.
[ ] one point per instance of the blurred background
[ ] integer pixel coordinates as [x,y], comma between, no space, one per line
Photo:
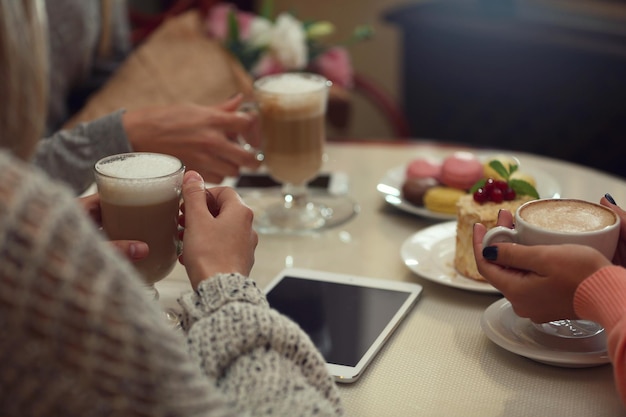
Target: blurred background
[541,76]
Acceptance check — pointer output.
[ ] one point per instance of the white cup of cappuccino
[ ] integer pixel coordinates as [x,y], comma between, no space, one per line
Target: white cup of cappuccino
[139,200]
[554,221]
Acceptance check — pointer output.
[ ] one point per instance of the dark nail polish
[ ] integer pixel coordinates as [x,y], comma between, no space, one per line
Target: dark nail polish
[490,253]
[609,197]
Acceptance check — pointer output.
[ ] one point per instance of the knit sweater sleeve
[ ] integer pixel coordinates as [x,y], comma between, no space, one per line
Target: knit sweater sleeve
[602,298]
[69,155]
[262,361]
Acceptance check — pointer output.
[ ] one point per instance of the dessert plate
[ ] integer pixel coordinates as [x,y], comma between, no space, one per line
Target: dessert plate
[518,335]
[390,187]
[430,254]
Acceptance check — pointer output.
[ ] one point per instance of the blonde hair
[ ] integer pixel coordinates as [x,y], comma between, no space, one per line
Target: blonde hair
[23,75]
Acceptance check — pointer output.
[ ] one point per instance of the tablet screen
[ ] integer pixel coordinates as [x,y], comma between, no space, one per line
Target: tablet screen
[343,320]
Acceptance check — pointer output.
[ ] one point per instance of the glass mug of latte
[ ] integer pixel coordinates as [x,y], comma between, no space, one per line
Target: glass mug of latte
[292,116]
[554,221]
[139,200]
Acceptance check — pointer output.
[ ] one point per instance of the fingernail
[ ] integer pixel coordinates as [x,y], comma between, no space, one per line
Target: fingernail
[138,250]
[490,253]
[609,198]
[193,176]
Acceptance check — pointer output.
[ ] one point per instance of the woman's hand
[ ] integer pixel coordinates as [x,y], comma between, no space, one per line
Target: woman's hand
[539,281]
[204,138]
[134,250]
[218,236]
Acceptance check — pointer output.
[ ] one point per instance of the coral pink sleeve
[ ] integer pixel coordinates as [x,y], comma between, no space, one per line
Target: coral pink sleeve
[602,298]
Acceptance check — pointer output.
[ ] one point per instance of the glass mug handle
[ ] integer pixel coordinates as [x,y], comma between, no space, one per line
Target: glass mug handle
[499,234]
[251,107]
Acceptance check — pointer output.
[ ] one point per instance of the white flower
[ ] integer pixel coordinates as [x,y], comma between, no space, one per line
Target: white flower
[288,42]
[260,32]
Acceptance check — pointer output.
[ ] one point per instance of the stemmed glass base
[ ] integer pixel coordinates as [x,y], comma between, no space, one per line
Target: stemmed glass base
[171,317]
[297,212]
[571,329]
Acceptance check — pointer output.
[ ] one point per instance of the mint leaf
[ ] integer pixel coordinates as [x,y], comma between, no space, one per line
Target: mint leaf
[500,169]
[522,187]
[479,184]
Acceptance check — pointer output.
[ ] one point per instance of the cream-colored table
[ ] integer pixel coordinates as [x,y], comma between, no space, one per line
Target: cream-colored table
[439,362]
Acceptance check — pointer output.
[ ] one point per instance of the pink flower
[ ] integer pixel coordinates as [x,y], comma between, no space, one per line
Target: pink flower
[217,21]
[335,65]
[267,65]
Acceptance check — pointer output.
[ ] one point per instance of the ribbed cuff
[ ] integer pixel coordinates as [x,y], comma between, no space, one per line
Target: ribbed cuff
[215,292]
[602,296]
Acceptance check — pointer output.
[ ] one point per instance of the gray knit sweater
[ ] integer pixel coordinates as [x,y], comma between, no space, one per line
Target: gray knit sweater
[80,338]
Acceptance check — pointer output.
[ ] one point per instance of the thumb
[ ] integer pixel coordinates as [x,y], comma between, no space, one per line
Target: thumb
[194,194]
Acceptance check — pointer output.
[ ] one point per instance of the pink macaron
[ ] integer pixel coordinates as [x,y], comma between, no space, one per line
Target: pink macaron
[423,168]
[461,170]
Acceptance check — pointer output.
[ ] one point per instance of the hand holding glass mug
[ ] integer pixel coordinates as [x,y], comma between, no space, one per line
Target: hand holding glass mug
[140,200]
[133,250]
[564,241]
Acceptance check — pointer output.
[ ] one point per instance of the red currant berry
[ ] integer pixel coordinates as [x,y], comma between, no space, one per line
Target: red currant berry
[489,185]
[480,196]
[496,195]
[509,194]
[501,185]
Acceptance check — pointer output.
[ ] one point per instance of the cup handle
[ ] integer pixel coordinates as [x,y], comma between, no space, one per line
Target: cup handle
[499,234]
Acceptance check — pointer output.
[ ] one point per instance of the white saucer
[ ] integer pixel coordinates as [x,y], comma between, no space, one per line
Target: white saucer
[390,187]
[520,336]
[430,254]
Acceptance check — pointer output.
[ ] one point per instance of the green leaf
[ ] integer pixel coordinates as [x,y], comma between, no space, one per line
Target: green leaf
[479,184]
[522,187]
[267,10]
[233,28]
[500,169]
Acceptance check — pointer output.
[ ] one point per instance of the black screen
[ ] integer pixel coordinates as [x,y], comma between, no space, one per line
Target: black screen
[342,320]
[264,181]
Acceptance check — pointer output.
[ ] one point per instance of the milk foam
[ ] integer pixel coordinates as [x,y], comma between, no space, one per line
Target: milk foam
[293,96]
[569,217]
[292,84]
[139,179]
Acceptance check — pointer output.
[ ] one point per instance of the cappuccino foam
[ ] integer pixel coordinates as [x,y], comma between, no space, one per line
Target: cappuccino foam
[567,216]
[292,96]
[139,179]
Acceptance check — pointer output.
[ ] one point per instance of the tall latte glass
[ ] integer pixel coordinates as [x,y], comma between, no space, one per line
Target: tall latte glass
[292,112]
[139,200]
[554,221]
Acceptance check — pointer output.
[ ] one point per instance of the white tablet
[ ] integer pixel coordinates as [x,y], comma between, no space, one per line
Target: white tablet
[348,317]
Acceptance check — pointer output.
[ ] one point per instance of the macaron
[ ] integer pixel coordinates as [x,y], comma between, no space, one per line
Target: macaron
[424,168]
[461,170]
[442,199]
[413,189]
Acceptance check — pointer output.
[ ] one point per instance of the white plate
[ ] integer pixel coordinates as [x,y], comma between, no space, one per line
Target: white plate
[430,254]
[390,187]
[520,336]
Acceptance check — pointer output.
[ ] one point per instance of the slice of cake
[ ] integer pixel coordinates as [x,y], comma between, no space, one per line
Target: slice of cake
[486,198]
[468,213]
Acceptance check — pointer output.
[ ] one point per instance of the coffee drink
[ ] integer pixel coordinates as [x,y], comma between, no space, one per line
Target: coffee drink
[139,200]
[556,221]
[292,109]
[567,216]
